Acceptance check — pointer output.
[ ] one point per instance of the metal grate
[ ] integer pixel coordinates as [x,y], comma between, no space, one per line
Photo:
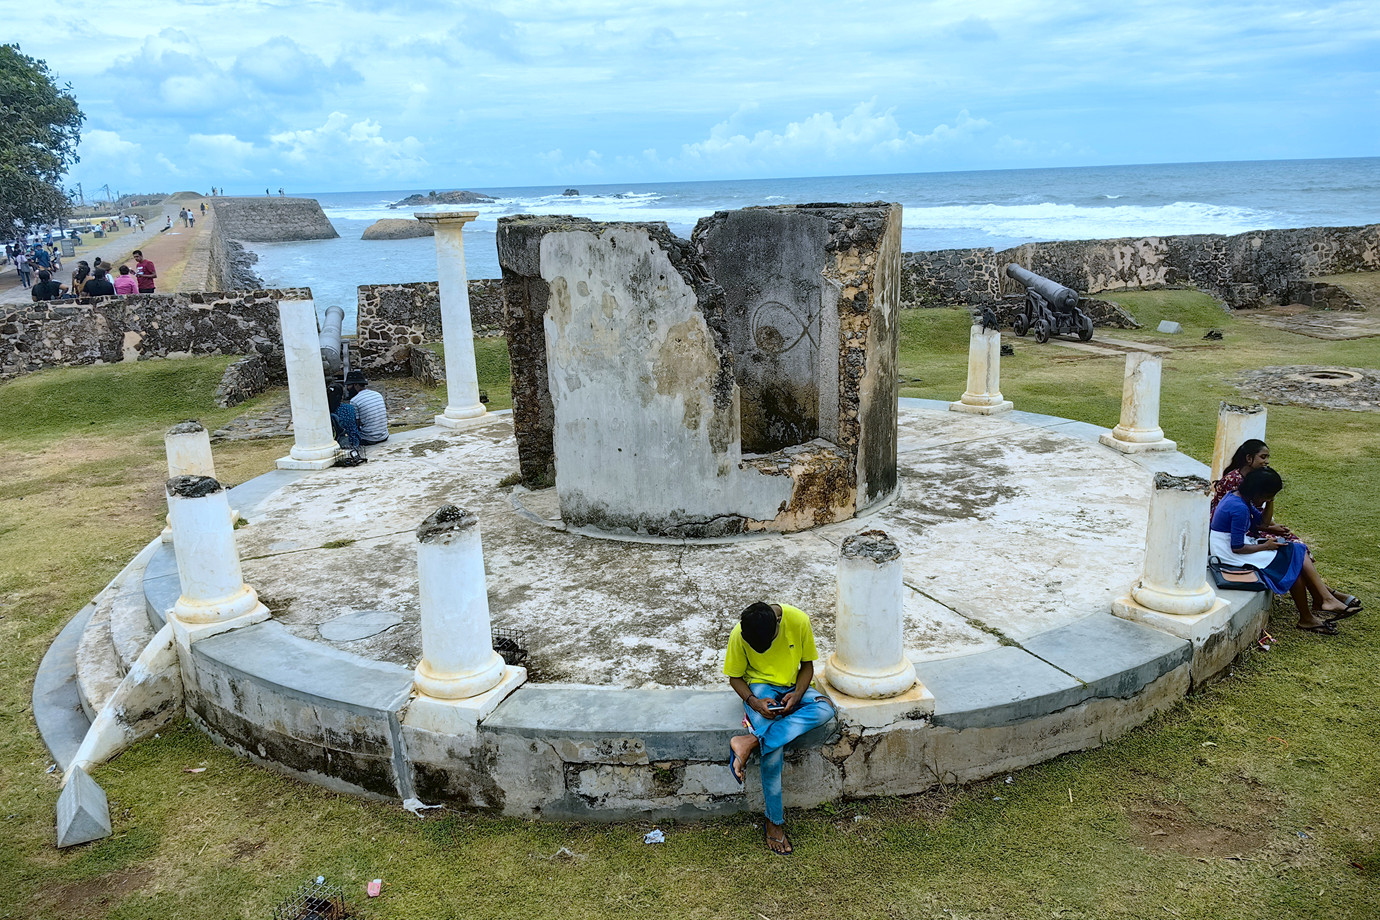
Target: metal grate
[511,644]
[314,901]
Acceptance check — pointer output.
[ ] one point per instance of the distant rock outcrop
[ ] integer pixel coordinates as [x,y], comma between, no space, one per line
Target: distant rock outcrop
[395,228]
[460,197]
[571,192]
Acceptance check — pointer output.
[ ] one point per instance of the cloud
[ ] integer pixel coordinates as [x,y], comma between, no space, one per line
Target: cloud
[862,133]
[359,145]
[280,66]
[975,29]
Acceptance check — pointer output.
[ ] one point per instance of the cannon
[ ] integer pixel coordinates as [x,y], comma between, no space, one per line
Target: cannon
[332,349]
[1050,308]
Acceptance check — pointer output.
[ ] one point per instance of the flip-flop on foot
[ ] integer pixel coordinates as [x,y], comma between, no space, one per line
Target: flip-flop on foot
[1333,616]
[1327,628]
[732,761]
[784,841]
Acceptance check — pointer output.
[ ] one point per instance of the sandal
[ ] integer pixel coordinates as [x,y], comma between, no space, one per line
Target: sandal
[732,759]
[1334,617]
[785,839]
[1325,628]
[1350,600]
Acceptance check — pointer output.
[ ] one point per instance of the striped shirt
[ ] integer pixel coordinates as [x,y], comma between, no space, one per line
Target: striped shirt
[373,415]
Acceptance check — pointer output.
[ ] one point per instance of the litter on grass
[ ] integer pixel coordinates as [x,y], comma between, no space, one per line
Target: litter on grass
[654,836]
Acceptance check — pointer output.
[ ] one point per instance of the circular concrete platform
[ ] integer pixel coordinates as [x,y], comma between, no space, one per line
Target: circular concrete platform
[1007,529]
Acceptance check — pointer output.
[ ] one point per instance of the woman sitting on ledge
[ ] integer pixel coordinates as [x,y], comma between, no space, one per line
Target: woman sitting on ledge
[1285,566]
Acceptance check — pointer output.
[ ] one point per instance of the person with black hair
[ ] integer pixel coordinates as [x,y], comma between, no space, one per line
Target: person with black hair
[1285,567]
[47,288]
[769,662]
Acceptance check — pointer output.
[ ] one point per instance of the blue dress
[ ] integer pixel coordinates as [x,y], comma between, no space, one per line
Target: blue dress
[1233,520]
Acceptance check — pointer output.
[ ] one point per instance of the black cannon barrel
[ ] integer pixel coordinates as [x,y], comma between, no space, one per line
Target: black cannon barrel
[331,359]
[1060,298]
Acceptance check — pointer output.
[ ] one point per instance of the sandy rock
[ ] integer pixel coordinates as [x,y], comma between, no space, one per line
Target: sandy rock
[393,228]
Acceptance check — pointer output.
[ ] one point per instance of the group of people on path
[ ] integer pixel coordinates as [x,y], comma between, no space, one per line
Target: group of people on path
[95,280]
[1244,532]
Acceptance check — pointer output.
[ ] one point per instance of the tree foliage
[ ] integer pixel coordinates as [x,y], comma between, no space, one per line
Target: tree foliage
[40,126]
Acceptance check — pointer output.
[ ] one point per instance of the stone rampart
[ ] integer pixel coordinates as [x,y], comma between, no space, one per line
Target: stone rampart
[105,330]
[392,318]
[1245,270]
[272,220]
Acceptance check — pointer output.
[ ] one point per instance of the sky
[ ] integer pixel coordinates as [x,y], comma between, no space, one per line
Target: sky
[322,96]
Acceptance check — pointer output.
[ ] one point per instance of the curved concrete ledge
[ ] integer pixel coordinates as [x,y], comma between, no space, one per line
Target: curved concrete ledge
[339,719]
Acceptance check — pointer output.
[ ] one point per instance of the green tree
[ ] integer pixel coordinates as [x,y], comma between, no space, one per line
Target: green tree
[40,126]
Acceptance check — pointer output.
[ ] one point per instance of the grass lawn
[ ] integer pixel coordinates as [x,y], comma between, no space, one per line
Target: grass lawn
[1254,798]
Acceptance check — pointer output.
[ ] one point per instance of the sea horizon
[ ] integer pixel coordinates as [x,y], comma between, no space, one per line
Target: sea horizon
[941,210]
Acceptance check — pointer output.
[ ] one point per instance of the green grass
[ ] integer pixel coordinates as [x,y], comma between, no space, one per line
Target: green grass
[1254,798]
[492,367]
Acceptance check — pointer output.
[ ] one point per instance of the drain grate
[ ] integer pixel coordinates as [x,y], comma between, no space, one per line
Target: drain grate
[511,644]
[314,901]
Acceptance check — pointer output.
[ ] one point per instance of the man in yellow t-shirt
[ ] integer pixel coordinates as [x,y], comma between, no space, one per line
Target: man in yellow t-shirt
[770,661]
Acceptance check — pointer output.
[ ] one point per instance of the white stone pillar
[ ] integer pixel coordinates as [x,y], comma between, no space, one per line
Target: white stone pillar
[188,447]
[983,396]
[1175,579]
[1139,429]
[869,659]
[214,596]
[458,658]
[457,330]
[460,678]
[313,447]
[1235,426]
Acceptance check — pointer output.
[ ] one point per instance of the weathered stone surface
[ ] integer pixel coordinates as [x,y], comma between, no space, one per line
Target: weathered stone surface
[83,814]
[1169,327]
[104,330]
[393,319]
[271,220]
[1243,270]
[456,197]
[396,228]
[246,378]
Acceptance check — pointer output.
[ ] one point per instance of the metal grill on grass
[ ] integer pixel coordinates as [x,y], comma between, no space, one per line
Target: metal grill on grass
[314,901]
[511,644]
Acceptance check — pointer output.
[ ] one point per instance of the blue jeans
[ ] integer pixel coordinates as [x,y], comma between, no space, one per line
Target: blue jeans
[774,734]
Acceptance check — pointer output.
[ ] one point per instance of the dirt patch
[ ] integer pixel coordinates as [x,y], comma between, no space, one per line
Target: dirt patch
[1171,828]
[92,897]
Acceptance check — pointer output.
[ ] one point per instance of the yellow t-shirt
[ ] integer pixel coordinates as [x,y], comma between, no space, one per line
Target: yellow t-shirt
[780,664]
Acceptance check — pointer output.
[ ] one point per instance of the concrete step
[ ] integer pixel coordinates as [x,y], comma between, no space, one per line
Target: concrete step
[130,629]
[98,666]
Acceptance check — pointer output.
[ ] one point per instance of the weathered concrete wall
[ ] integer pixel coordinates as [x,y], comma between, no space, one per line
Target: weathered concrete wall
[272,220]
[1245,270]
[646,409]
[525,298]
[392,318]
[104,330]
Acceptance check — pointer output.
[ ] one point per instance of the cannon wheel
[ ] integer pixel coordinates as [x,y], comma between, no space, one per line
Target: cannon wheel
[1041,331]
[1085,328]
[1019,325]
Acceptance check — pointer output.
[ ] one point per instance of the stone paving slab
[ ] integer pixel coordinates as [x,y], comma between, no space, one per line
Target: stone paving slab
[1001,686]
[1114,657]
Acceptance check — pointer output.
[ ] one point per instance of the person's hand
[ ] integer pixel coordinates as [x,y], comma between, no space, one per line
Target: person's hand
[790,701]
[761,707]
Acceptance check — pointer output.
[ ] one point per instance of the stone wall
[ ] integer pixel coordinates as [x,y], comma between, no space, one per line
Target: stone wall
[271,219]
[246,378]
[1246,270]
[104,330]
[392,318]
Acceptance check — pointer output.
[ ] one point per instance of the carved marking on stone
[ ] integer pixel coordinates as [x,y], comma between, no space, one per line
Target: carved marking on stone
[778,328]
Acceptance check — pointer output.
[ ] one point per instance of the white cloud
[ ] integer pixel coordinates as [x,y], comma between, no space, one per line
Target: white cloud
[359,145]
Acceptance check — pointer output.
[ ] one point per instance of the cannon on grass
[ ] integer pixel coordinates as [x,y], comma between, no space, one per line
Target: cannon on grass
[1049,309]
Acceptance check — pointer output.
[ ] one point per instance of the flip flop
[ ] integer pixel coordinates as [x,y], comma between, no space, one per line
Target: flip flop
[1334,617]
[785,838]
[1350,600]
[1327,628]
[732,759]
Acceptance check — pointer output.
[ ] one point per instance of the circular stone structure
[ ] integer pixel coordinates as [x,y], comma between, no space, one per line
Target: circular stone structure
[1016,533]
[1356,389]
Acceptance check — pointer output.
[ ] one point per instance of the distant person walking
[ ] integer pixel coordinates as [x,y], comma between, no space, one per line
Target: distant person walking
[21,265]
[145,272]
[125,282]
[41,258]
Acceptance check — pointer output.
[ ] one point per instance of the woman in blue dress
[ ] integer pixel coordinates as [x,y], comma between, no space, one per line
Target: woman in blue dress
[1285,566]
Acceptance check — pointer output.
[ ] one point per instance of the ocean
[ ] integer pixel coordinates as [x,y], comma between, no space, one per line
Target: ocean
[997,208]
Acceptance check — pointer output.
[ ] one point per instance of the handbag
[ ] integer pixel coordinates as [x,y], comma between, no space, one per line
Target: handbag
[1235,577]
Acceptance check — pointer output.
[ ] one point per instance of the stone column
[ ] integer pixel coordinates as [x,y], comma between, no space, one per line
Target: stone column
[1139,429]
[313,447]
[869,659]
[214,596]
[983,396]
[188,447]
[1235,426]
[457,331]
[458,658]
[1176,552]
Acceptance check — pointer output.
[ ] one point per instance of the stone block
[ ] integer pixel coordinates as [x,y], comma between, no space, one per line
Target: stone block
[1169,327]
[83,814]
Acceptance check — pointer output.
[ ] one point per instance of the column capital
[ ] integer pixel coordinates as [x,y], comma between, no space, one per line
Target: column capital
[440,219]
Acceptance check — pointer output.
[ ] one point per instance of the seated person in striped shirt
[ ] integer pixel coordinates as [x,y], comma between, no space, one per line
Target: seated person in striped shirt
[369,409]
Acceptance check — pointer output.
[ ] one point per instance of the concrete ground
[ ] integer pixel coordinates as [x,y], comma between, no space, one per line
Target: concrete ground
[995,551]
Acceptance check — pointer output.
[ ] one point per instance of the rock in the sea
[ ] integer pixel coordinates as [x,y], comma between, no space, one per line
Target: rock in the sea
[571,192]
[395,228]
[458,197]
